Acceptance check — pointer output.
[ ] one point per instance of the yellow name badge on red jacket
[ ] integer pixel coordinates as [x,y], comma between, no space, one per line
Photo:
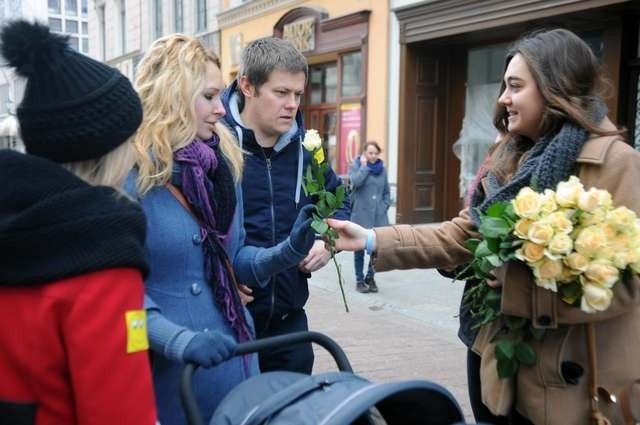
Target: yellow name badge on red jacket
[137,339]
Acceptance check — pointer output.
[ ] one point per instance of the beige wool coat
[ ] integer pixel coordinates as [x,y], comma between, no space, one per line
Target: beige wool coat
[540,392]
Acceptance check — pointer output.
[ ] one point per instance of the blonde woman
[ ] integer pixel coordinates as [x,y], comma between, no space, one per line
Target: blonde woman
[74,349]
[188,168]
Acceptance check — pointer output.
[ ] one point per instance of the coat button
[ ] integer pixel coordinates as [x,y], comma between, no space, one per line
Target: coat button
[544,320]
[196,239]
[196,289]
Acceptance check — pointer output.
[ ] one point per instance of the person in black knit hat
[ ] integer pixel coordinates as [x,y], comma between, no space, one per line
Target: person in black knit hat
[73,342]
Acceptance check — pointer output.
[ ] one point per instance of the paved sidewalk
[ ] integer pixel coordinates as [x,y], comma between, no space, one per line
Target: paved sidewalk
[406,331]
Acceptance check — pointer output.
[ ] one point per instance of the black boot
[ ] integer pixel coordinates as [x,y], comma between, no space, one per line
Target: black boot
[371,283]
[362,287]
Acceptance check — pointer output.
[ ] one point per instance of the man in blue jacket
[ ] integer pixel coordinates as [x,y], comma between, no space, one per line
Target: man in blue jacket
[262,110]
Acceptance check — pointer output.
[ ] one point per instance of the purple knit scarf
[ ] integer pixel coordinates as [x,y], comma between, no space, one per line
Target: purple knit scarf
[207,184]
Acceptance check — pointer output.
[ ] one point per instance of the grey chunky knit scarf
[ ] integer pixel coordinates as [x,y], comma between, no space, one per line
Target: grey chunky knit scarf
[550,161]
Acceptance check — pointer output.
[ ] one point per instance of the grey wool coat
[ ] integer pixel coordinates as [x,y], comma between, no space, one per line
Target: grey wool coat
[369,196]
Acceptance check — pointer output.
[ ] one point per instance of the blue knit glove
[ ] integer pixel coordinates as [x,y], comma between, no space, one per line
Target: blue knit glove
[209,348]
[302,236]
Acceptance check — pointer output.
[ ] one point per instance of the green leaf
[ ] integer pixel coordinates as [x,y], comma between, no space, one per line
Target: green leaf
[312,187]
[322,208]
[493,245]
[319,226]
[507,368]
[525,354]
[497,209]
[494,260]
[482,250]
[471,244]
[505,349]
[494,227]
[340,191]
[332,202]
[309,174]
[570,293]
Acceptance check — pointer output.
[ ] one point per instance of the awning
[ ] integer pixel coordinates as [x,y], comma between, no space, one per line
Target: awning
[9,127]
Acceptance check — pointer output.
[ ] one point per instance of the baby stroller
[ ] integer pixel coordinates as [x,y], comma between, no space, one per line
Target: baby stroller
[334,398]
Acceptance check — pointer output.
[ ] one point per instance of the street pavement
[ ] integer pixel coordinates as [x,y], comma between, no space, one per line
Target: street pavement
[405,331]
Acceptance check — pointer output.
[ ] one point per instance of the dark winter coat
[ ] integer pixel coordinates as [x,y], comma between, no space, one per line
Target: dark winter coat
[273,196]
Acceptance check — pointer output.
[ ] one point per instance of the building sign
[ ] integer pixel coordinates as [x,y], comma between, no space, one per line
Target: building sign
[301,33]
[350,120]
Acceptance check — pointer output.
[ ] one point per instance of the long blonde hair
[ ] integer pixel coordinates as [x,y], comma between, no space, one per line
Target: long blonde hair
[109,170]
[169,79]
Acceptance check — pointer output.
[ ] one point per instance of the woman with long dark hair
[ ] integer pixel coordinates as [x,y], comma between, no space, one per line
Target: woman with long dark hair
[554,123]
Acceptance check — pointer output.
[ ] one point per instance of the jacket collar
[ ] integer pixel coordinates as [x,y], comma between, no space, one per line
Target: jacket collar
[595,149]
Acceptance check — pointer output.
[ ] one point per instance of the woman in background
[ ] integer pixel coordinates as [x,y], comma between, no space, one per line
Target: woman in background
[369,205]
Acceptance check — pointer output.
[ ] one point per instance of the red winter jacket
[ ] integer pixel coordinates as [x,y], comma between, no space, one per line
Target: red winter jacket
[63,348]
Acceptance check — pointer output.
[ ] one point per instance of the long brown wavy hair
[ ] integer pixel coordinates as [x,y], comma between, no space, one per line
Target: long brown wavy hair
[569,78]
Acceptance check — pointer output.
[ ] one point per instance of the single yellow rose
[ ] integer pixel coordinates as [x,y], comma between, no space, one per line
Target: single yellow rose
[530,252]
[594,297]
[577,262]
[540,233]
[546,272]
[521,228]
[621,218]
[589,241]
[602,273]
[589,200]
[561,244]
[527,203]
[568,192]
[549,204]
[560,221]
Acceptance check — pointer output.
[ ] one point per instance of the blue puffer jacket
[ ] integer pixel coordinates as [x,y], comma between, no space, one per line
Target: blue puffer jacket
[180,302]
[272,198]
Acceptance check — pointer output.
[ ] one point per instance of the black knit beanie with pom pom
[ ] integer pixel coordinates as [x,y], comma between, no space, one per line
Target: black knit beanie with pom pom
[74,108]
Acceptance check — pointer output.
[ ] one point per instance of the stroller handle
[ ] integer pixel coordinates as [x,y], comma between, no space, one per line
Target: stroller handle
[186,387]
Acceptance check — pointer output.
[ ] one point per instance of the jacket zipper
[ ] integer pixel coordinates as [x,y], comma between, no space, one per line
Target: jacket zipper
[273,241]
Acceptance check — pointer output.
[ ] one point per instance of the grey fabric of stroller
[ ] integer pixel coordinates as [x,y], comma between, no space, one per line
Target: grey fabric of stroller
[335,398]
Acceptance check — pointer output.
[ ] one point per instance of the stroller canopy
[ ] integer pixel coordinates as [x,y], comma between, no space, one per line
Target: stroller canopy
[335,398]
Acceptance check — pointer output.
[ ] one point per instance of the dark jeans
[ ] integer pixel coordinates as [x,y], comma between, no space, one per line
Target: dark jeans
[358,262]
[480,412]
[294,358]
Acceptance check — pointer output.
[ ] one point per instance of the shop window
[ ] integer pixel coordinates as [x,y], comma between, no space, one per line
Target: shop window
[595,40]
[55,24]
[352,74]
[54,6]
[485,68]
[323,83]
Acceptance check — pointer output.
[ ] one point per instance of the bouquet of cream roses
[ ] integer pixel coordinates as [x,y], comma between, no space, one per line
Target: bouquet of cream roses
[327,202]
[576,244]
